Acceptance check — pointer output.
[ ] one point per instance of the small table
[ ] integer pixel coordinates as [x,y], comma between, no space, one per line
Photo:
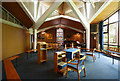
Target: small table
[70,52]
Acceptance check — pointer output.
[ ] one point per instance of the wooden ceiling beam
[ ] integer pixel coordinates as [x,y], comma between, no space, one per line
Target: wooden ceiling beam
[47,13]
[83,20]
[75,9]
[91,1]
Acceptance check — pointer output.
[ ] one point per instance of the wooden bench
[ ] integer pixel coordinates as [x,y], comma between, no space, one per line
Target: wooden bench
[29,51]
[114,56]
[113,52]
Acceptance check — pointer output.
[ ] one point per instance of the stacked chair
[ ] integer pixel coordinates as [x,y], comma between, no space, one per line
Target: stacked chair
[54,46]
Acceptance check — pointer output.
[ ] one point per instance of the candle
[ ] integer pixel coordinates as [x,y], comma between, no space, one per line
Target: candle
[65,47]
[72,45]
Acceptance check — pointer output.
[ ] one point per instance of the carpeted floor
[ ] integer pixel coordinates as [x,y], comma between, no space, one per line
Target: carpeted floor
[101,69]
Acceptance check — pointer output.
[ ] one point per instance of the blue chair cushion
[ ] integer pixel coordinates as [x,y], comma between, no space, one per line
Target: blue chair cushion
[113,52]
[75,66]
[62,66]
[118,53]
[90,53]
[76,61]
[107,50]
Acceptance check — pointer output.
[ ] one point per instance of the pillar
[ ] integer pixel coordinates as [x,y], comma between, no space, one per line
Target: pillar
[88,37]
[34,38]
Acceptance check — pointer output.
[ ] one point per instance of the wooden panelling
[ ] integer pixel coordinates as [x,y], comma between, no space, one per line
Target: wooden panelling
[74,36]
[50,23]
[14,41]
[50,31]
[63,21]
[15,9]
[71,23]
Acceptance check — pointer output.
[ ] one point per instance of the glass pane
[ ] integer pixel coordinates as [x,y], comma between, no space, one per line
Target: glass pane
[16,21]
[113,34]
[11,18]
[119,15]
[105,29]
[105,47]
[105,38]
[4,14]
[105,22]
[113,18]
[60,35]
[60,30]
[119,33]
[113,46]
[0,12]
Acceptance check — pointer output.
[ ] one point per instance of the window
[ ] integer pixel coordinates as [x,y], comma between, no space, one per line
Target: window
[105,29]
[113,46]
[60,35]
[105,47]
[105,39]
[111,31]
[0,12]
[8,16]
[113,34]
[113,18]
[11,18]
[105,22]
[4,14]
[119,34]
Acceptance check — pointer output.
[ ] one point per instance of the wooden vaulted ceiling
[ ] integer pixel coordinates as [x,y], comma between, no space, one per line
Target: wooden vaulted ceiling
[62,21]
[15,9]
[110,9]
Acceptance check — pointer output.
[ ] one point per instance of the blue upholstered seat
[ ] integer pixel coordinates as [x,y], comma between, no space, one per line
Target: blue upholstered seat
[113,52]
[76,61]
[118,53]
[90,53]
[107,50]
[75,66]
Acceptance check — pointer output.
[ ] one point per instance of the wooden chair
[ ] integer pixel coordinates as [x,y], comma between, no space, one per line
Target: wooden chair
[119,50]
[77,65]
[54,46]
[49,46]
[90,52]
[59,46]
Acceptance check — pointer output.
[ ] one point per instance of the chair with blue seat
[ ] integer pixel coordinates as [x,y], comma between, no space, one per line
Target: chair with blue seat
[90,52]
[77,64]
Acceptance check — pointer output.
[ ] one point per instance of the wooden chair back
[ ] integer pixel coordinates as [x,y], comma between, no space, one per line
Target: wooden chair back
[119,50]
